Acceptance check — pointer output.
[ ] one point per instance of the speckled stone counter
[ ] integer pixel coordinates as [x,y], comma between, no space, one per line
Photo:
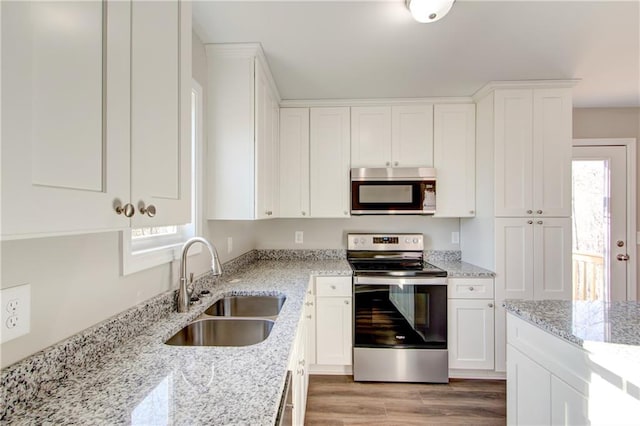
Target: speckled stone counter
[460,269]
[610,332]
[144,381]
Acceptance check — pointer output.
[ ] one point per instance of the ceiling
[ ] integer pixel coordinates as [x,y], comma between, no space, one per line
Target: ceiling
[374,49]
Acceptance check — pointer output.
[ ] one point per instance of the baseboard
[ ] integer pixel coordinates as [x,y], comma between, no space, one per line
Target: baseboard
[476,374]
[339,370]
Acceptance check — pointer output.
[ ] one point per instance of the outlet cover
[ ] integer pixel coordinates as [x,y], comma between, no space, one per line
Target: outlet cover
[299,238]
[229,244]
[455,238]
[16,312]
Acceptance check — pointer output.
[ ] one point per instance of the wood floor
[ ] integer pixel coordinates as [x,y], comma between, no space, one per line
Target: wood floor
[338,400]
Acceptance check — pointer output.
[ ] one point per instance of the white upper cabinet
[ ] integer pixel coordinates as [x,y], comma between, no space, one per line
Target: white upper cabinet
[454,151]
[329,162]
[242,133]
[294,162]
[161,112]
[412,136]
[533,152]
[398,136]
[76,129]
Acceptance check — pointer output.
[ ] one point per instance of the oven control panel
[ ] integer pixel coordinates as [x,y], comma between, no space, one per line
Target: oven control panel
[385,242]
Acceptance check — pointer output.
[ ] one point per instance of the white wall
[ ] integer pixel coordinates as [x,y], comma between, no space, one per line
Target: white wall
[611,123]
[331,233]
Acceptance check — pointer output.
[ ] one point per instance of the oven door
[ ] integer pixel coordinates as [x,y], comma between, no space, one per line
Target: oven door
[394,312]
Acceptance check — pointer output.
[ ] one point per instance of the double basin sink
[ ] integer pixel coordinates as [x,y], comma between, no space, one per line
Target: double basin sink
[232,321]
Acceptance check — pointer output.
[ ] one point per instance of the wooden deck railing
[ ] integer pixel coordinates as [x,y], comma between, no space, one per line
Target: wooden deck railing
[588,276]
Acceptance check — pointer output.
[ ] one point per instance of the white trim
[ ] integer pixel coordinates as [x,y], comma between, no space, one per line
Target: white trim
[304,103]
[523,84]
[630,144]
[133,262]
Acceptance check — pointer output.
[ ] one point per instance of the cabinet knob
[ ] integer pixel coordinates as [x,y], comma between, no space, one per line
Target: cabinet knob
[472,211]
[333,287]
[308,316]
[304,213]
[388,163]
[268,212]
[395,164]
[539,222]
[470,288]
[128,210]
[149,211]
[491,305]
[345,213]
[530,222]
[309,303]
[301,362]
[539,211]
[346,302]
[529,211]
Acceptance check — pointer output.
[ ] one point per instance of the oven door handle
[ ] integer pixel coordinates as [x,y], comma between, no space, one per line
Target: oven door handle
[398,281]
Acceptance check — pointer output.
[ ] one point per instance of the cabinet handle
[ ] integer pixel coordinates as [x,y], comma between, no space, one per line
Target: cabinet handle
[304,213]
[388,163]
[268,212]
[539,211]
[472,211]
[470,288]
[346,302]
[395,164]
[308,316]
[491,305]
[529,211]
[309,303]
[301,362]
[149,211]
[333,287]
[128,210]
[530,222]
[539,222]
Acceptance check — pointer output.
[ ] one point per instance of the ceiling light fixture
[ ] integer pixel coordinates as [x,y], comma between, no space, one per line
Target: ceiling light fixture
[429,10]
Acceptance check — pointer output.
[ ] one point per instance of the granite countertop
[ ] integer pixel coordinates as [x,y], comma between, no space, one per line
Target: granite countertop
[609,331]
[460,269]
[144,381]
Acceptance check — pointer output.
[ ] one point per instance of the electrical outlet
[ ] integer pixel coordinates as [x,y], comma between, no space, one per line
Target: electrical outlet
[299,237]
[455,238]
[16,312]
[229,244]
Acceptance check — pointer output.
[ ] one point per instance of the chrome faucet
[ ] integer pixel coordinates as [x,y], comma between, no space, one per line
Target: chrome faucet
[186,289]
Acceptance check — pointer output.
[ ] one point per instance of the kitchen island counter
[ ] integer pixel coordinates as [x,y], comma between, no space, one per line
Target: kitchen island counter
[144,381]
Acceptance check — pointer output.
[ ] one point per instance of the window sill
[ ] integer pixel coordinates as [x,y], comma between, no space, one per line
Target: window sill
[133,262]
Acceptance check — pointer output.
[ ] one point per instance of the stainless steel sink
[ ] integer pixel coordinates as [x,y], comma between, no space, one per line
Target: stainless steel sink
[223,332]
[247,306]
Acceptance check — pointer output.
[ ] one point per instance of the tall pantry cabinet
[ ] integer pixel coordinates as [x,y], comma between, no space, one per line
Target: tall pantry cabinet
[523,194]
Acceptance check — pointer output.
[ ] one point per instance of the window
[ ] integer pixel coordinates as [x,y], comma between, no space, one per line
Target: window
[144,248]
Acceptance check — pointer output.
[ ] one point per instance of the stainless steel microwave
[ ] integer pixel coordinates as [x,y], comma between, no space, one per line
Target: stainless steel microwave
[393,190]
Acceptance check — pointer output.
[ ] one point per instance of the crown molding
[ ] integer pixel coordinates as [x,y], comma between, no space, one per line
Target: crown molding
[305,103]
[523,84]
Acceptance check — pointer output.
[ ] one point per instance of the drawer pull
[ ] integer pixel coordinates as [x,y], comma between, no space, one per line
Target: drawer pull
[333,287]
[470,288]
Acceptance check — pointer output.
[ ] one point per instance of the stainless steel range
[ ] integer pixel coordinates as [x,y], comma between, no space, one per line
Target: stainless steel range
[400,310]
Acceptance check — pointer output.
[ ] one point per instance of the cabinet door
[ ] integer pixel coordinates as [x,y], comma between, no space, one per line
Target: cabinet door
[568,406]
[513,123]
[329,162]
[333,330]
[371,137]
[454,151]
[161,111]
[264,145]
[528,391]
[412,136]
[552,259]
[471,334]
[294,162]
[552,129]
[65,127]
[514,258]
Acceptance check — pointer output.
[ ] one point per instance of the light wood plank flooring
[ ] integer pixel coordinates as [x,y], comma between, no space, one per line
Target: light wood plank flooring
[338,400]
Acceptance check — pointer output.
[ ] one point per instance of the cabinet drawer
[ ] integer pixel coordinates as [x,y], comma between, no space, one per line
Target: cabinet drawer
[333,286]
[470,288]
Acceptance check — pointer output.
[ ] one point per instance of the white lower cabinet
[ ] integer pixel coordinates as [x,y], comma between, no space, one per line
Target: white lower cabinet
[299,372]
[471,324]
[553,382]
[333,325]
